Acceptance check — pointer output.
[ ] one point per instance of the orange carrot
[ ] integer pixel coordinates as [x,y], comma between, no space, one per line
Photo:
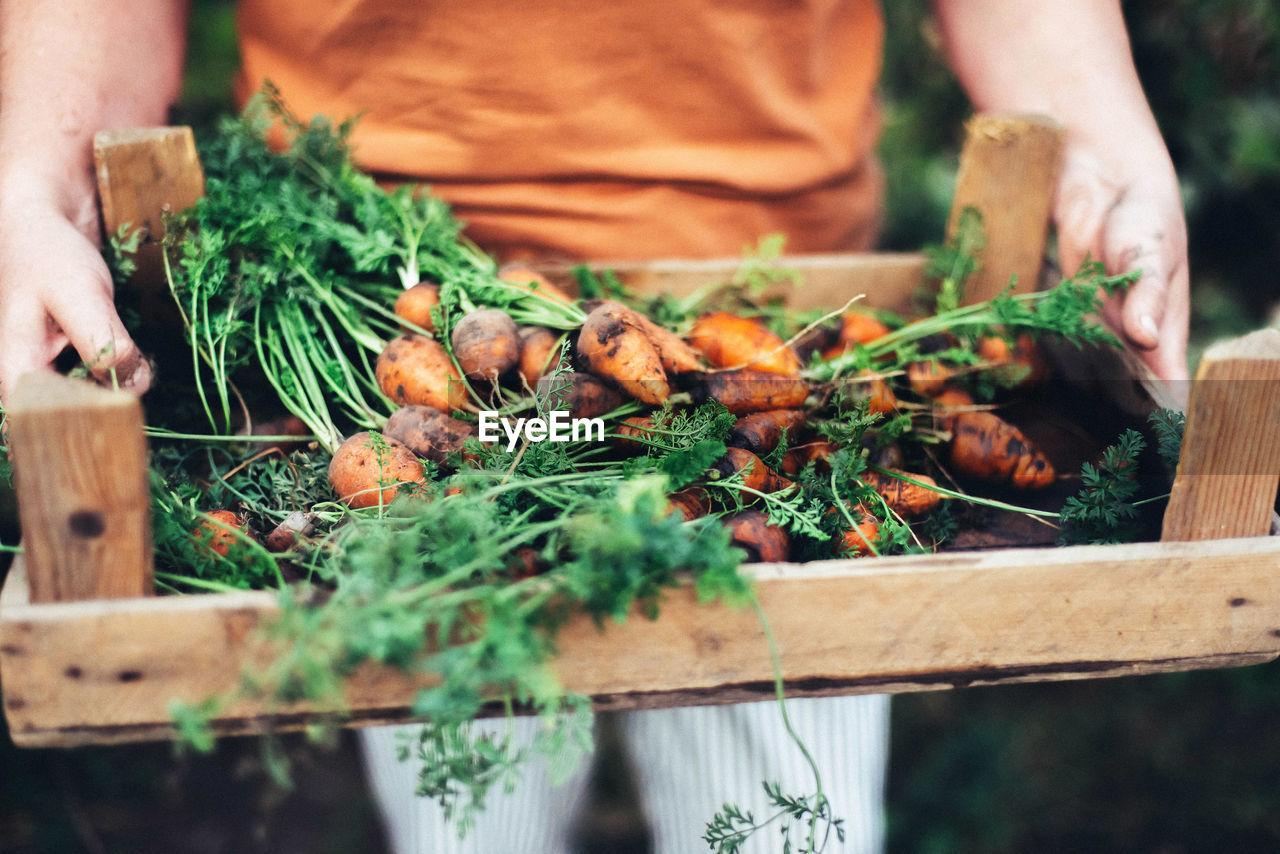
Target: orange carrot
[539,351]
[692,502]
[757,475]
[906,499]
[1025,354]
[744,392]
[369,468]
[531,280]
[859,540]
[415,369]
[762,541]
[856,328]
[414,304]
[949,403]
[730,341]
[612,345]
[486,344]
[761,432]
[218,533]
[583,395]
[929,377]
[986,447]
[634,433]
[429,433]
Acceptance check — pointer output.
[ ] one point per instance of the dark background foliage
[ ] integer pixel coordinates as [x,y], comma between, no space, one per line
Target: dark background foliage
[1178,763]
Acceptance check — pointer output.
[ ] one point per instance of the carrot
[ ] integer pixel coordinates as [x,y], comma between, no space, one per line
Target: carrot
[888,456]
[285,536]
[534,282]
[949,402]
[582,394]
[730,341]
[368,469]
[814,452]
[486,344]
[286,425]
[791,464]
[414,305]
[676,355]
[906,499]
[820,339]
[692,502]
[428,432]
[859,540]
[871,386]
[526,562]
[761,432]
[856,328]
[217,534]
[539,352]
[928,378]
[415,369]
[612,345]
[634,433]
[744,392]
[1024,353]
[986,447]
[764,543]
[757,475]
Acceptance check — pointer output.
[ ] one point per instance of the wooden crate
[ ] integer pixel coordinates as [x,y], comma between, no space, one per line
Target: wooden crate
[87,656]
[105,669]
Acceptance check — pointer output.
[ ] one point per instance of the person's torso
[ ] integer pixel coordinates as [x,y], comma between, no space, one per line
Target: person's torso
[599,129]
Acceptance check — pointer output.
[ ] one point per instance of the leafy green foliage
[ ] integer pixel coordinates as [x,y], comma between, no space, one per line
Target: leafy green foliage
[953,263]
[289,266]
[1068,310]
[1168,425]
[732,827]
[1102,511]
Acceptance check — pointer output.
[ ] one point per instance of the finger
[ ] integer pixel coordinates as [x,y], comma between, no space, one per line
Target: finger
[1168,361]
[89,319]
[30,346]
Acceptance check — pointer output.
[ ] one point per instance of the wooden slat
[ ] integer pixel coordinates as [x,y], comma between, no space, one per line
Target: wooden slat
[80,472]
[1229,468]
[1009,172]
[100,672]
[144,173]
[889,280]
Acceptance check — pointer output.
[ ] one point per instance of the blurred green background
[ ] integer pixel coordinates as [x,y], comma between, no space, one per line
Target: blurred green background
[1179,763]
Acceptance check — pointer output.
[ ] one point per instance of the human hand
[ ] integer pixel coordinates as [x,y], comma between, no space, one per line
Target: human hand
[55,291]
[1126,213]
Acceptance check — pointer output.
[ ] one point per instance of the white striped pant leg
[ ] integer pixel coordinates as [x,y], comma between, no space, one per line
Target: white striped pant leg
[689,762]
[536,818]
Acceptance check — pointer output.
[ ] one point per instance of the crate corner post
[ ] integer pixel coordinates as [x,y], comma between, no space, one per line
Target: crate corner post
[80,470]
[1229,467]
[1008,172]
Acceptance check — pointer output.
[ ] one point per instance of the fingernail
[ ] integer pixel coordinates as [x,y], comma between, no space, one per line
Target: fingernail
[1148,324]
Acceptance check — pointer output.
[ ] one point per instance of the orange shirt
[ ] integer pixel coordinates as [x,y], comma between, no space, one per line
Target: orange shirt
[608,129]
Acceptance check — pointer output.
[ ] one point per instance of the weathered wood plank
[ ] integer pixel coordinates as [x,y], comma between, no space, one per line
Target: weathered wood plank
[1009,172]
[97,671]
[1229,467]
[889,280]
[144,173]
[80,473]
